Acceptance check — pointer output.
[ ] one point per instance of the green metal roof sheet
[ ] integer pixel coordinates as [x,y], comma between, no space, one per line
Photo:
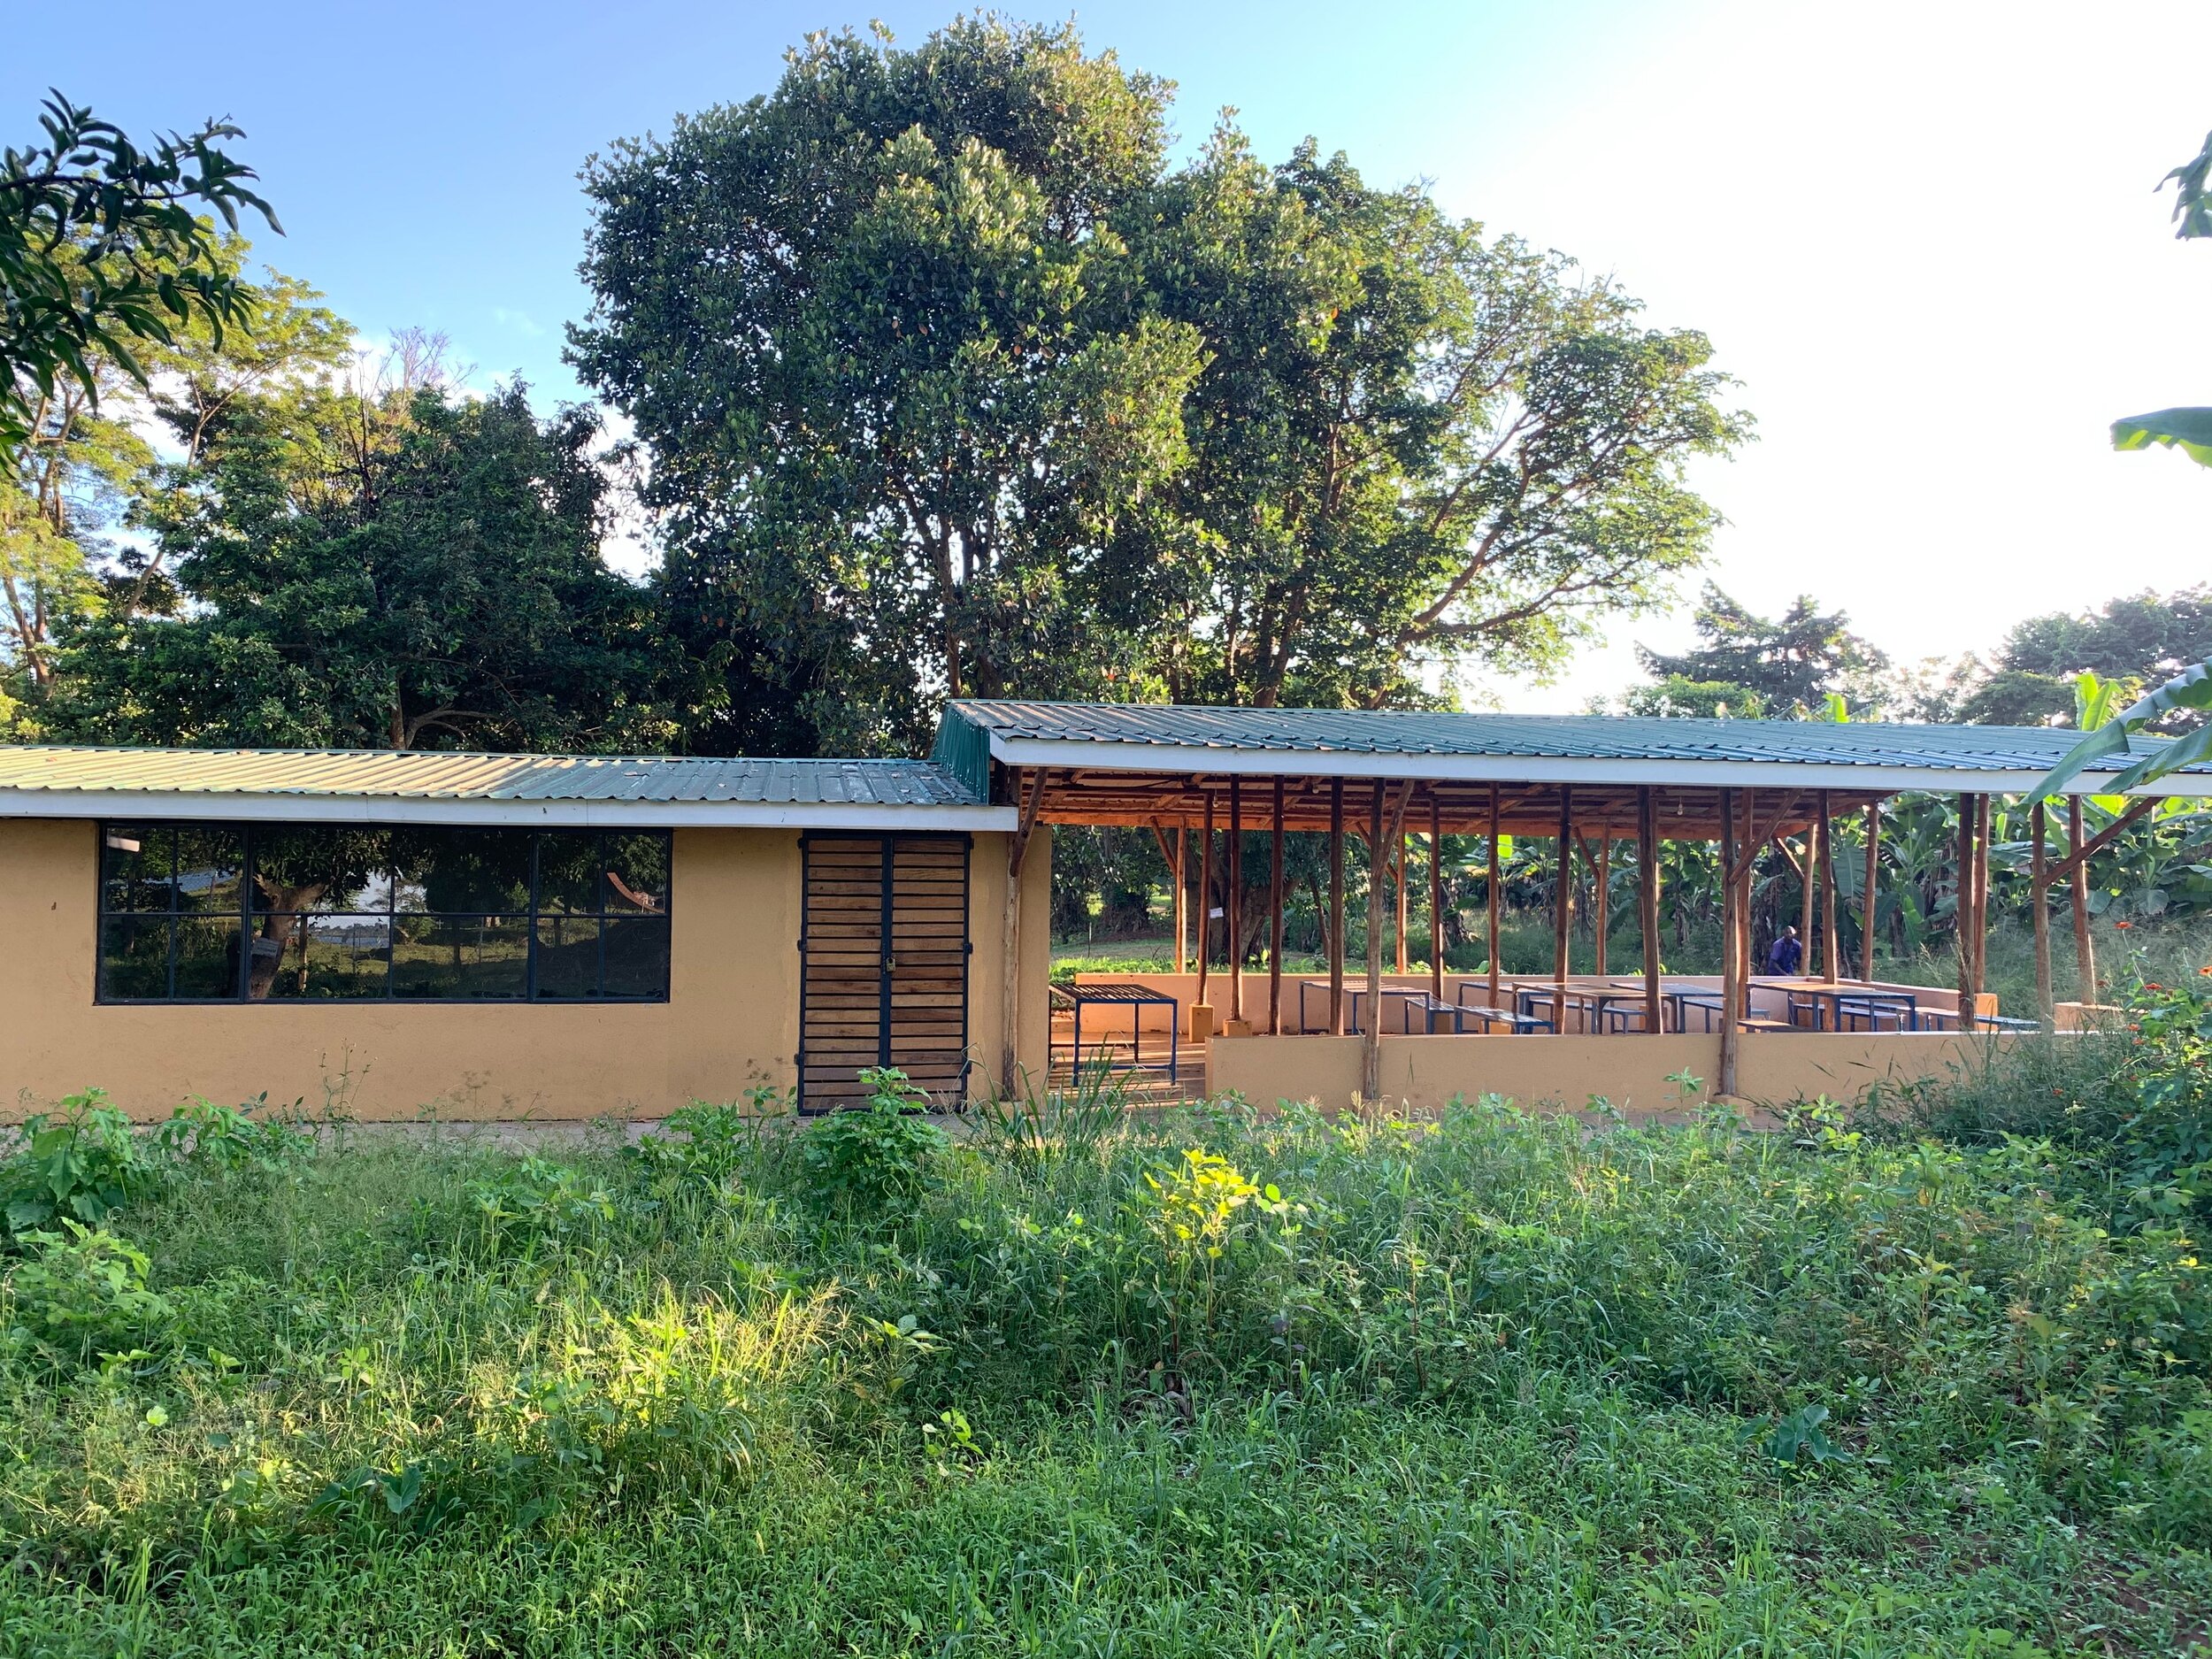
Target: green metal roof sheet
[1132,729]
[440,776]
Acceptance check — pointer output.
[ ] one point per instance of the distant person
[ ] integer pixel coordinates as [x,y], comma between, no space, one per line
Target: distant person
[1785,953]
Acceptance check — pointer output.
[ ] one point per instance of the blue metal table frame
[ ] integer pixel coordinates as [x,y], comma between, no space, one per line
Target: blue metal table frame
[1136,999]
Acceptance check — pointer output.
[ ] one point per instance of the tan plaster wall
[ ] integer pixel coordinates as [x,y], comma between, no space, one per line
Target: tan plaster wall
[1629,1070]
[732,1020]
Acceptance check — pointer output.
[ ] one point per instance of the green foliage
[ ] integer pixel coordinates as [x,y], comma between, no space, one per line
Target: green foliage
[1585,1385]
[1792,664]
[102,254]
[871,1164]
[389,570]
[79,1165]
[1016,409]
[78,1297]
[532,1205]
[2191,690]
[1677,698]
[718,1139]
[200,1136]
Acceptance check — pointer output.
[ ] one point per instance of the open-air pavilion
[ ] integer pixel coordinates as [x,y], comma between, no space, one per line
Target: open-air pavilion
[563,936]
[1203,778]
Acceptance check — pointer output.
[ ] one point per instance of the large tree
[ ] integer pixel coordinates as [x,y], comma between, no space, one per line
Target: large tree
[2134,642]
[1795,662]
[892,360]
[1412,444]
[951,386]
[380,566]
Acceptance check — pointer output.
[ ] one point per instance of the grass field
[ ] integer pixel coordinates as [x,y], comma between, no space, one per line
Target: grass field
[1075,1384]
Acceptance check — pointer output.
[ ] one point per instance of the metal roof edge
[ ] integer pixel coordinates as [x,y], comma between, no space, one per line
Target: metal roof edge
[573,811]
[1140,755]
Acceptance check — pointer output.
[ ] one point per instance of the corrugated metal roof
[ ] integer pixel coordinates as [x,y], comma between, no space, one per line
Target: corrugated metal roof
[1127,726]
[56,781]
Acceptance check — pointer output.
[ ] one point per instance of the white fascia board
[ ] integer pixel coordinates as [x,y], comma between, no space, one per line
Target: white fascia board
[1707,774]
[220,806]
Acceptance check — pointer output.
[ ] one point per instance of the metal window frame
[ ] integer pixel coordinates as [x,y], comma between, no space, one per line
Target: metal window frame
[243,917]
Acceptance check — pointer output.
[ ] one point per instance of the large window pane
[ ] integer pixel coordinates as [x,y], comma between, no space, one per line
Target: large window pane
[568,872]
[328,957]
[211,861]
[207,958]
[135,957]
[636,956]
[136,860]
[637,874]
[567,957]
[466,872]
[461,957]
[322,867]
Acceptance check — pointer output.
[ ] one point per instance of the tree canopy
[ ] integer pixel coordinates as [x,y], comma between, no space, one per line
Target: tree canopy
[1795,663]
[373,567]
[952,386]
[101,253]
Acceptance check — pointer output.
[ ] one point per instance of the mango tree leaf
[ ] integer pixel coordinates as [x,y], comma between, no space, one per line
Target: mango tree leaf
[2189,430]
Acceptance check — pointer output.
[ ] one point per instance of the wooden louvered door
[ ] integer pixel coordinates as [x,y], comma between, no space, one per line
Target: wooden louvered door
[884,965]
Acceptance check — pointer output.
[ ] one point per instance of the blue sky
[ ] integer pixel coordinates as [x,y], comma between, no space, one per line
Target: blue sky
[1922,234]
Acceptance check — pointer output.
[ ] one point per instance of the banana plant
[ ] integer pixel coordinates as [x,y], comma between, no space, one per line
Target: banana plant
[2191,690]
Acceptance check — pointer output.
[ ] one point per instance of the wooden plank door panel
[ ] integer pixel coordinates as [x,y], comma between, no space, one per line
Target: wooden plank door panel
[884,965]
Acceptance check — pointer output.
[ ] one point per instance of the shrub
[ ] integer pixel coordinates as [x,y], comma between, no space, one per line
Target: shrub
[871,1164]
[534,1202]
[719,1139]
[83,1165]
[81,1295]
[201,1137]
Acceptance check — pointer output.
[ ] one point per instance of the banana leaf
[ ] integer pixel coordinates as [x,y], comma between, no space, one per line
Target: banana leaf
[2191,688]
[2188,430]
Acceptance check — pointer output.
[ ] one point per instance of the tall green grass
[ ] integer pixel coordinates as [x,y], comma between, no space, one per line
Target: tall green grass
[1207,1381]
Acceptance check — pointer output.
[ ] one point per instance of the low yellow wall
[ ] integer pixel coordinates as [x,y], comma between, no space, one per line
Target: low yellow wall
[732,1020]
[1632,1072]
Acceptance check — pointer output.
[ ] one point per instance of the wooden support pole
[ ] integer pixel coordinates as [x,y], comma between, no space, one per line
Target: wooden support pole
[1873,881]
[1370,1028]
[1491,897]
[2039,914]
[1336,906]
[1600,899]
[1182,894]
[1205,895]
[1647,904]
[1436,896]
[2085,947]
[1235,917]
[1831,944]
[1398,843]
[1010,945]
[1275,919]
[1982,840]
[1809,891]
[1731,951]
[1562,907]
[1962,908]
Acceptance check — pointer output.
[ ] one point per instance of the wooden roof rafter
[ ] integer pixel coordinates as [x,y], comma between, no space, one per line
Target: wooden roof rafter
[1161,800]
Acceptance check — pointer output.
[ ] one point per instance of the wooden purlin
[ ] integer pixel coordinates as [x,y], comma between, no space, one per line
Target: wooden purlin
[1160,800]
